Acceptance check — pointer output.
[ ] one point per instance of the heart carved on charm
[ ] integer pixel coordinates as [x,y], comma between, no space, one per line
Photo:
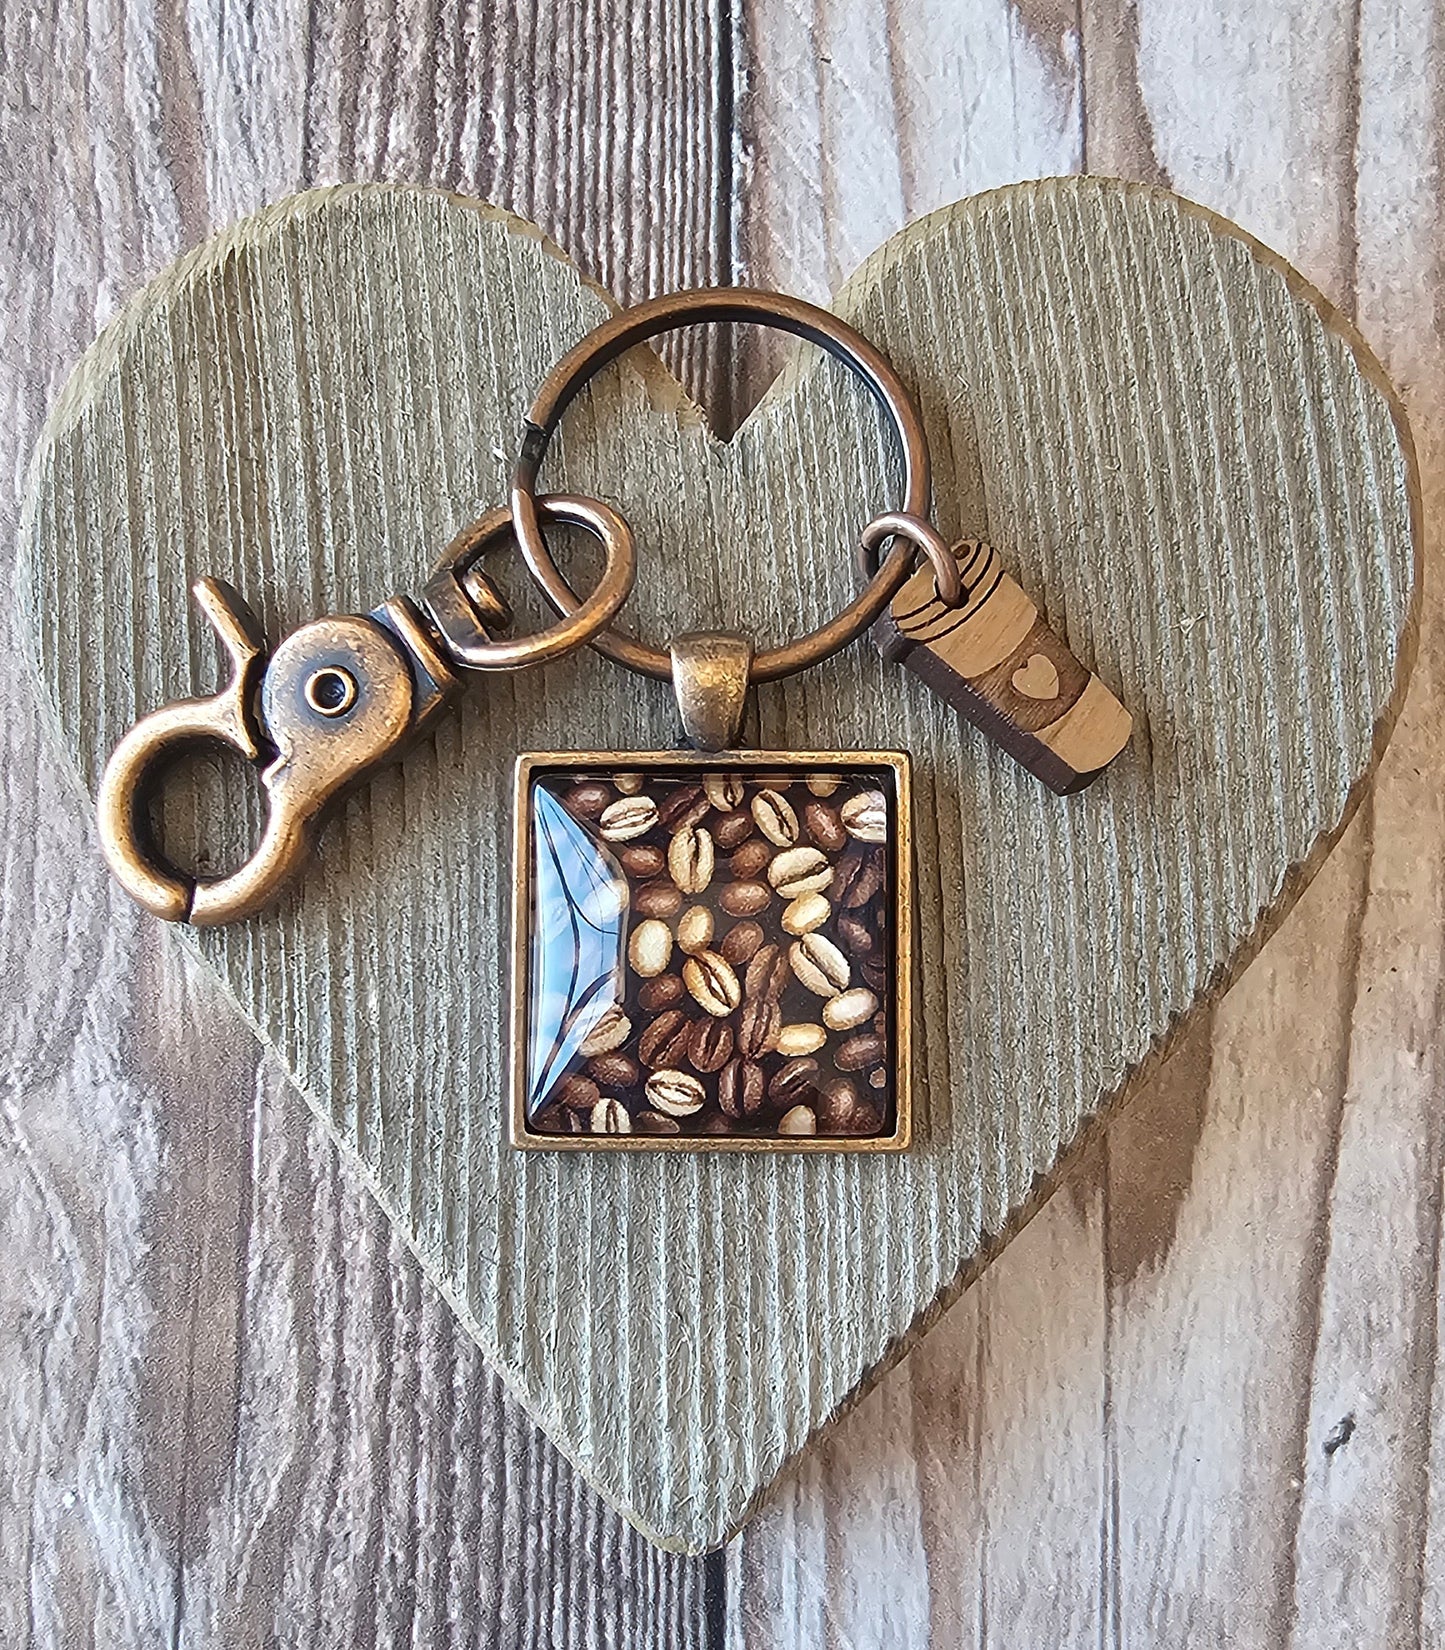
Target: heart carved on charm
[1036,678]
[1186,458]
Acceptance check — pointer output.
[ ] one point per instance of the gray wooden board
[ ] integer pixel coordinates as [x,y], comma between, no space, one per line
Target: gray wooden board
[1189,462]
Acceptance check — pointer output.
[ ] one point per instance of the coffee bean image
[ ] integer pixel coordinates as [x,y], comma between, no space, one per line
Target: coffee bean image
[759,1026]
[801,1038]
[712,982]
[731,829]
[750,861]
[710,1045]
[740,943]
[824,824]
[797,871]
[653,1122]
[628,817]
[660,898]
[849,1009]
[611,1031]
[860,1052]
[690,859]
[677,1093]
[745,899]
[650,948]
[773,814]
[742,1089]
[614,1071]
[767,973]
[695,929]
[865,816]
[719,955]
[580,1093]
[820,965]
[610,1116]
[641,861]
[666,991]
[588,799]
[804,914]
[725,791]
[664,1040]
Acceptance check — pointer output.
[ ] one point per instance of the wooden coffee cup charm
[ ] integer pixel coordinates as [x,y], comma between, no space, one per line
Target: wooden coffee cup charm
[998,664]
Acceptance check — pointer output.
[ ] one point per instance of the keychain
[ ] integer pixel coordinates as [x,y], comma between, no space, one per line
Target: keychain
[712,947]
[336,699]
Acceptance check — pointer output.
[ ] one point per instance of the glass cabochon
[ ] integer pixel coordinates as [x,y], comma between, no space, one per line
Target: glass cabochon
[709,952]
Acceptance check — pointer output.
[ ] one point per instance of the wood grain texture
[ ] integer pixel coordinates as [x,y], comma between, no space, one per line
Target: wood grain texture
[198,1440]
[1192,1250]
[1255,619]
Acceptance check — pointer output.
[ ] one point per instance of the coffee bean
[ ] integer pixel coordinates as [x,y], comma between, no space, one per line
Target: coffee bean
[842,1110]
[690,859]
[823,824]
[819,965]
[878,1078]
[628,817]
[880,1023]
[823,784]
[767,973]
[793,1082]
[804,914]
[713,1122]
[714,987]
[629,784]
[758,1027]
[866,882]
[724,790]
[641,860]
[588,799]
[650,948]
[750,860]
[773,814]
[664,1041]
[875,974]
[666,991]
[657,899]
[799,1039]
[855,935]
[800,1120]
[798,871]
[614,1071]
[849,1009]
[865,816]
[678,1093]
[653,1122]
[731,829]
[580,1093]
[678,802]
[741,1088]
[741,941]
[710,1045]
[860,1052]
[694,929]
[557,1120]
[744,899]
[611,1031]
[610,1116]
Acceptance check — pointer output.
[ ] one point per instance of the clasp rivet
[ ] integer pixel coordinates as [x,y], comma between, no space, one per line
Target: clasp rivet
[331,691]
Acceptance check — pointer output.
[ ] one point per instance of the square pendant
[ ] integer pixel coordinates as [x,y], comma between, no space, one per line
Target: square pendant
[712,952]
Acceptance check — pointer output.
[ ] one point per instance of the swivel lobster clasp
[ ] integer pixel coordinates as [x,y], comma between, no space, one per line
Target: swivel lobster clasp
[337,698]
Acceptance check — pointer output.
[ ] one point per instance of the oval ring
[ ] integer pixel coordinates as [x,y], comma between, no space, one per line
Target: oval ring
[635,326]
[455,612]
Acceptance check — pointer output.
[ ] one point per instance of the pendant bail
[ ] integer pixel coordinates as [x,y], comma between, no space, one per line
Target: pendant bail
[711,673]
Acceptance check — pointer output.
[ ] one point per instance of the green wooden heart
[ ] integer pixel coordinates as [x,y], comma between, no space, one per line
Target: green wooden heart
[1190,461]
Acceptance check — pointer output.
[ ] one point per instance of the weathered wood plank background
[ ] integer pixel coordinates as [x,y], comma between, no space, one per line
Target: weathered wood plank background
[1195,1402]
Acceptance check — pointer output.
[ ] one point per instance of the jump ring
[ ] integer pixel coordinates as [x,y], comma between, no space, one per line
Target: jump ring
[924,536]
[455,611]
[635,326]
